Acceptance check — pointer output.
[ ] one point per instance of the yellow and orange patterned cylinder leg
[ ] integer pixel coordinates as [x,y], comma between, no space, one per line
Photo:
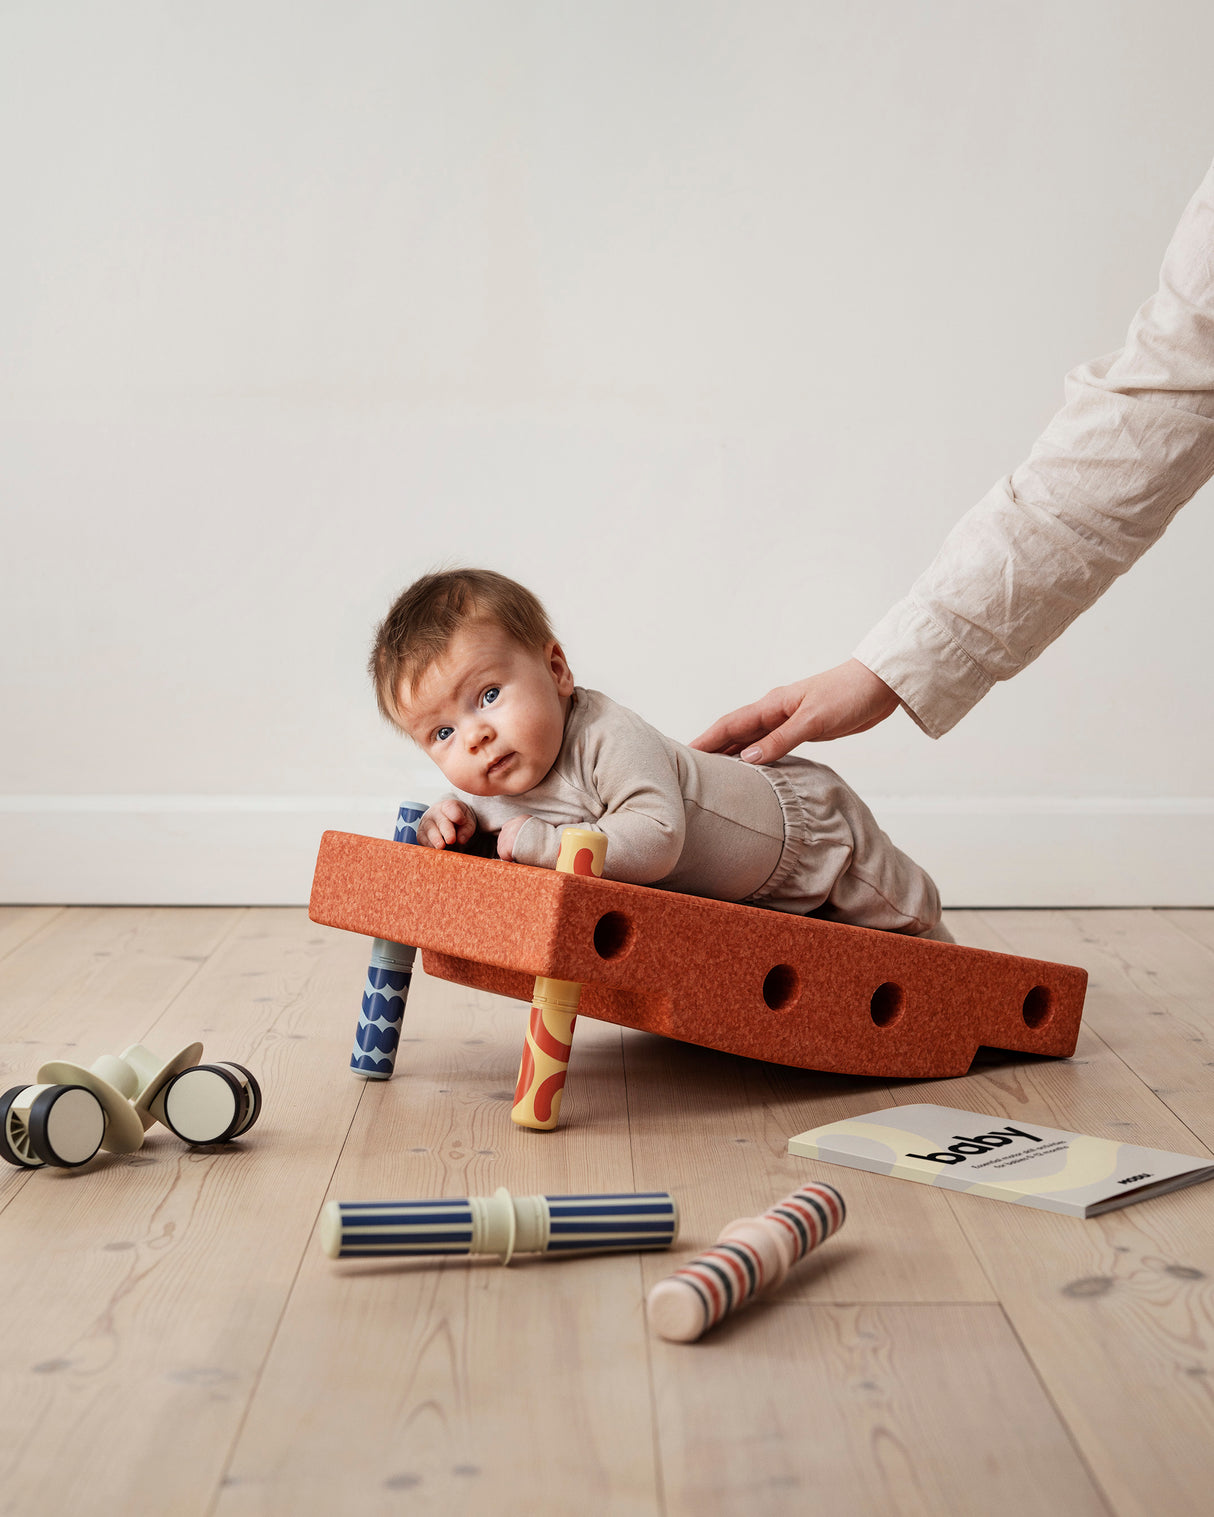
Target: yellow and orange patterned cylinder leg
[545,1063]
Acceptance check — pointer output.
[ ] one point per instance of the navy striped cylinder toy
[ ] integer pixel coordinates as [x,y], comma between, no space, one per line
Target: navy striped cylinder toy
[383,1009]
[500,1224]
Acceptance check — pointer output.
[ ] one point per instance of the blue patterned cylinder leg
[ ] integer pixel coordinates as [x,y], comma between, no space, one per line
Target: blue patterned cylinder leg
[387,989]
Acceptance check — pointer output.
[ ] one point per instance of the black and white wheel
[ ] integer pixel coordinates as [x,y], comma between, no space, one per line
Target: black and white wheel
[210,1103]
[254,1089]
[14,1132]
[66,1125]
[61,1125]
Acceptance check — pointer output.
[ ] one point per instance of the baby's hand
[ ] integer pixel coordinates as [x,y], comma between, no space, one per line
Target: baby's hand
[447,822]
[506,837]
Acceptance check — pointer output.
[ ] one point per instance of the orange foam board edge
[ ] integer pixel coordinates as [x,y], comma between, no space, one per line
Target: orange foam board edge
[793,990]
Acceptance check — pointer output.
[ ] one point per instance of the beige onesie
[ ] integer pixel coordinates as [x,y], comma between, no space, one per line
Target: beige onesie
[789,835]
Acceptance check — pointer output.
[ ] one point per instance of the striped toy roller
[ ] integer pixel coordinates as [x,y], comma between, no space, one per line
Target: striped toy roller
[383,1009]
[753,1254]
[500,1224]
[545,1061]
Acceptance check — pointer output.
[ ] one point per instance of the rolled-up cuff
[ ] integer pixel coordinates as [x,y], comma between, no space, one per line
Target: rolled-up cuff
[928,670]
[537,843]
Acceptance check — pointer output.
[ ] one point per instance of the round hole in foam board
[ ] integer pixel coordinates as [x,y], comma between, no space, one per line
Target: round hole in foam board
[781,987]
[885,1006]
[1036,1008]
[614,933]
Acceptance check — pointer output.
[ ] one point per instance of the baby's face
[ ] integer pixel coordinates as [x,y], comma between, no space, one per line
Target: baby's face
[490,712]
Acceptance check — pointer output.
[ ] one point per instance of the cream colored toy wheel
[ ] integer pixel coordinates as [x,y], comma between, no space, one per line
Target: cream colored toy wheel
[210,1103]
[123,1124]
[66,1125]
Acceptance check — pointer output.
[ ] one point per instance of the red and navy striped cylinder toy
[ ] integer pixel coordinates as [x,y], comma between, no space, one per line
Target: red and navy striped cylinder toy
[500,1224]
[751,1255]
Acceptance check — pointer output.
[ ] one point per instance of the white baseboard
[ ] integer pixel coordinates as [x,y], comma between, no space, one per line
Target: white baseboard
[260,850]
[1059,850]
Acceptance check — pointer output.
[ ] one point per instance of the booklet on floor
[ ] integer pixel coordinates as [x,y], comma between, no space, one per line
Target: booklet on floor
[1009,1161]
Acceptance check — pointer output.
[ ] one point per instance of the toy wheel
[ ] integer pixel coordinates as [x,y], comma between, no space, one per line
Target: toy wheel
[14,1134]
[209,1103]
[254,1089]
[66,1125]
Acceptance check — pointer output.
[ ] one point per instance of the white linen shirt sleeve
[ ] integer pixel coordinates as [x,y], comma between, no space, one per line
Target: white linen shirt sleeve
[1132,444]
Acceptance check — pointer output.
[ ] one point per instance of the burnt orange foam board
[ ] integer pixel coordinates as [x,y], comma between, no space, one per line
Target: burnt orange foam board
[790,989]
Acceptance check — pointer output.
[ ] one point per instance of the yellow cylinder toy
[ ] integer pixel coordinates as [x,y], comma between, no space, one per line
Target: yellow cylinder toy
[545,1062]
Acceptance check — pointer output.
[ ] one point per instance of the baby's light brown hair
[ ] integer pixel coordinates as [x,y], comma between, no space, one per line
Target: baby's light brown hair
[425,617]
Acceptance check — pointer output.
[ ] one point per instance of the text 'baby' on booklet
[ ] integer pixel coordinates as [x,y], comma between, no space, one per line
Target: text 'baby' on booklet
[1008,1161]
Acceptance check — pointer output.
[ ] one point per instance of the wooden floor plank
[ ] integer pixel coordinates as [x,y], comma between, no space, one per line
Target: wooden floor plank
[92,981]
[1117,1312]
[19,923]
[141,1294]
[1149,997]
[462,1385]
[175,1341]
[95,979]
[887,1410]
[713,1128]
[1199,925]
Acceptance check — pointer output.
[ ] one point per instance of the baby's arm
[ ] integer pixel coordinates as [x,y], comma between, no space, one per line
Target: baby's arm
[505,838]
[448,822]
[634,777]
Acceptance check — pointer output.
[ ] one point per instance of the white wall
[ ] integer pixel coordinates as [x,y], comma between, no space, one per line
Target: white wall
[706,318]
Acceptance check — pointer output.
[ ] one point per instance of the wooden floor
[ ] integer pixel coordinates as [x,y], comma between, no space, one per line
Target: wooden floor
[173,1341]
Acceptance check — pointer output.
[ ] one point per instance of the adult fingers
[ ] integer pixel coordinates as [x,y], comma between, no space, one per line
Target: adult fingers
[738,729]
[801,727]
[837,703]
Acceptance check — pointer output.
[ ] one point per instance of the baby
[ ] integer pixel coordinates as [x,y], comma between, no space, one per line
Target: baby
[467,665]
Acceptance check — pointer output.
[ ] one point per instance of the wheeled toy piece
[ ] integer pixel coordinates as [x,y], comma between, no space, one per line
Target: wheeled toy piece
[50,1124]
[72,1111]
[206,1103]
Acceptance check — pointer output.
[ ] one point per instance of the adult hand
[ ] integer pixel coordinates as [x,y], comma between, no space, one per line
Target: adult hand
[447,822]
[506,837]
[842,701]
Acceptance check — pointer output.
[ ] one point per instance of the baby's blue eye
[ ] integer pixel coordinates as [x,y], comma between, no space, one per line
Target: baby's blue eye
[491,695]
[443,734]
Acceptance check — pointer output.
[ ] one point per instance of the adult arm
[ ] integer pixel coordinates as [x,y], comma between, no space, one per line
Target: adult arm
[1132,444]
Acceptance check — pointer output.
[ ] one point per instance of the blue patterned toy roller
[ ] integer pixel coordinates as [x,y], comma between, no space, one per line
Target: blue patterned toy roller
[500,1224]
[387,988]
